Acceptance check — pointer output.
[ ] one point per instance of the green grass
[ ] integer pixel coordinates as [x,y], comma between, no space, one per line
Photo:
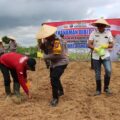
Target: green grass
[79,57]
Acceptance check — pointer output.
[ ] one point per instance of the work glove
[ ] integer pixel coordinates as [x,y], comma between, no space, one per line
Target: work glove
[100,51]
[28,84]
[105,46]
[96,49]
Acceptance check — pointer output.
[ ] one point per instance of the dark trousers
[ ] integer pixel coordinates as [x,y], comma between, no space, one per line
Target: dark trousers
[92,65]
[55,74]
[6,75]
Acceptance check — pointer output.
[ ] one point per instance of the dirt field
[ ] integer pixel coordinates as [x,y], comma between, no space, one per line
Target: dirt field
[78,103]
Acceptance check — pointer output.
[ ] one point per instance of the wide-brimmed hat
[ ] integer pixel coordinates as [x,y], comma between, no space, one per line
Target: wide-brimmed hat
[101,21]
[46,31]
[11,38]
[0,39]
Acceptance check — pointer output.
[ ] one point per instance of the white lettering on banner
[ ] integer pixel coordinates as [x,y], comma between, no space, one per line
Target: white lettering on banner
[22,59]
[115,27]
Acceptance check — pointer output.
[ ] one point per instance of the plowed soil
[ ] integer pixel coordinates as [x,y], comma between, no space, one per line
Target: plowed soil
[78,102]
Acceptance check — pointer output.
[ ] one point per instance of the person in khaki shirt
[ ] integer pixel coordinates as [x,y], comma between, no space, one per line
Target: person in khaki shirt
[100,41]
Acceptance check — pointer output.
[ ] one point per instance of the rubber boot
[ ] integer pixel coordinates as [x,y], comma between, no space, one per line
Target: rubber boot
[8,95]
[17,99]
[8,90]
[54,102]
[98,87]
[16,88]
[106,85]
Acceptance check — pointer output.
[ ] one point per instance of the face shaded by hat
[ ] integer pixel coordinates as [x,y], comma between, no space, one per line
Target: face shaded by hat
[31,63]
[101,23]
[46,31]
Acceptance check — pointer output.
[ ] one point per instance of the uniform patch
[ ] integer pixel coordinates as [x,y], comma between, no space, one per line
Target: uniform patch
[106,36]
[22,59]
[21,73]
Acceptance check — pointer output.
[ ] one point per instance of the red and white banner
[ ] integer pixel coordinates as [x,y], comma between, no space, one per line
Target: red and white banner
[76,33]
[115,24]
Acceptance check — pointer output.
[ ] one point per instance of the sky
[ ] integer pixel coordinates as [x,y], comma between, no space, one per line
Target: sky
[23,18]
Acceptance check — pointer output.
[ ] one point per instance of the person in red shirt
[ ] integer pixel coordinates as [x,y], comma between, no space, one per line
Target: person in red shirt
[16,64]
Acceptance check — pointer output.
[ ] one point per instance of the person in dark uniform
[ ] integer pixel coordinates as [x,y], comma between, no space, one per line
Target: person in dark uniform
[58,57]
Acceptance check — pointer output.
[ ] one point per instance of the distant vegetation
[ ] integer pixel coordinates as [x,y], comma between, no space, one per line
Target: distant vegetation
[31,51]
[79,57]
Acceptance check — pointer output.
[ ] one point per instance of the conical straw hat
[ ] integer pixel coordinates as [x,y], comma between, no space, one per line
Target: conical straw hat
[101,21]
[12,38]
[0,39]
[46,31]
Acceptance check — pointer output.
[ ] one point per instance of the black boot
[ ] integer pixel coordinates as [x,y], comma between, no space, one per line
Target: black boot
[106,85]
[8,90]
[98,87]
[16,88]
[54,102]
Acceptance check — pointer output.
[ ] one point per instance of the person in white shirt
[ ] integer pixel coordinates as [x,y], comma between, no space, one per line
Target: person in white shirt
[100,41]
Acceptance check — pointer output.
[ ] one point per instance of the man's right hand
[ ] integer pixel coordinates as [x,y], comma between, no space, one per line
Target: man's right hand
[96,49]
[105,46]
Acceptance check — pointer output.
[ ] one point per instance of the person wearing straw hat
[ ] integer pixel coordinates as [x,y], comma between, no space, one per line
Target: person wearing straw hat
[100,41]
[12,44]
[54,50]
[2,49]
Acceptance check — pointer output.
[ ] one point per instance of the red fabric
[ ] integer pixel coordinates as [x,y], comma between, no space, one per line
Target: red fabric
[17,62]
